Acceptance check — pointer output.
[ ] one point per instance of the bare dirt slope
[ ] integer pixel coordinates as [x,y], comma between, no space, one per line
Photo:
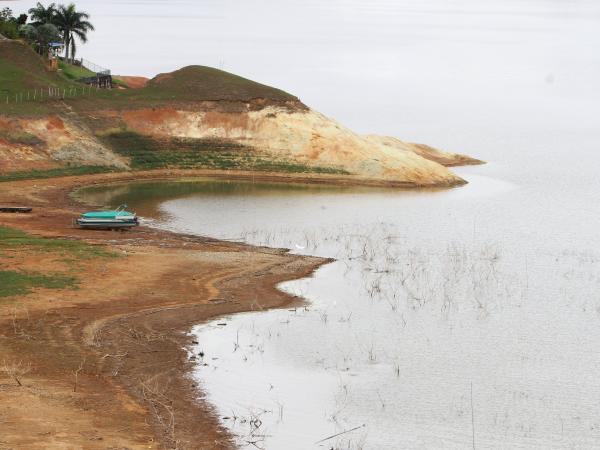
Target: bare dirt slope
[39,143]
[306,137]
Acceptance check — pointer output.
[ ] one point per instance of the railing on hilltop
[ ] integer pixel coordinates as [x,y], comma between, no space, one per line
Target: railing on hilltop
[102,79]
[94,67]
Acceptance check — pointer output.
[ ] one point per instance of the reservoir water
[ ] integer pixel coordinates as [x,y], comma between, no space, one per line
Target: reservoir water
[463,318]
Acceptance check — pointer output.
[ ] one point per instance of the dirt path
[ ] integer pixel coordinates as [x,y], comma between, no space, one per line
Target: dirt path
[104,364]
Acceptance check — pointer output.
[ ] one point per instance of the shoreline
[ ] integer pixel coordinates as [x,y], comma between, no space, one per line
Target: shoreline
[111,355]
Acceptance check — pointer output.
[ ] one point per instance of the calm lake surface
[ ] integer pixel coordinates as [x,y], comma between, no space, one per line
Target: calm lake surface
[450,319]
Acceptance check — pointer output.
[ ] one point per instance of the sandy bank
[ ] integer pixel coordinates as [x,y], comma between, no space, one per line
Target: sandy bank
[118,338]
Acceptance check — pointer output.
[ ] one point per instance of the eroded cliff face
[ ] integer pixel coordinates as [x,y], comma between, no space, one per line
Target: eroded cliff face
[305,137]
[50,142]
[275,132]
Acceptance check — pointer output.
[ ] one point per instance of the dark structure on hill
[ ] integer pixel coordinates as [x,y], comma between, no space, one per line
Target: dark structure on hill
[102,79]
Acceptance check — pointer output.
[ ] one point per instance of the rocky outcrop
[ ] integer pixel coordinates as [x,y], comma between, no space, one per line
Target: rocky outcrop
[43,143]
[276,133]
[433,154]
[304,137]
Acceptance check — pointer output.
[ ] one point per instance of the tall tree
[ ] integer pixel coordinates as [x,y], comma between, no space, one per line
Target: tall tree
[46,34]
[41,14]
[8,24]
[72,24]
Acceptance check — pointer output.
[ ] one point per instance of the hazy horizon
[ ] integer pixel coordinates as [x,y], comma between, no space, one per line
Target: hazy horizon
[425,71]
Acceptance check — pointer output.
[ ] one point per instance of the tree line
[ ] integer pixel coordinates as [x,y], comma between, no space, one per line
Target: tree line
[48,24]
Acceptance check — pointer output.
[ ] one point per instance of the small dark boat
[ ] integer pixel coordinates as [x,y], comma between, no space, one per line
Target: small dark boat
[118,218]
[15,209]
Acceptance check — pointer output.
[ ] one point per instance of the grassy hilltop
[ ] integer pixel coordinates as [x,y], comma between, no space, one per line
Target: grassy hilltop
[196,117]
[22,71]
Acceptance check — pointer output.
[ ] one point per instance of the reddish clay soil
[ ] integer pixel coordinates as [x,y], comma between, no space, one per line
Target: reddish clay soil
[133,82]
[105,363]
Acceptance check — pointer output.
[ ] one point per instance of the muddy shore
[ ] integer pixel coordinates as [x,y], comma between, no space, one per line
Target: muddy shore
[106,361]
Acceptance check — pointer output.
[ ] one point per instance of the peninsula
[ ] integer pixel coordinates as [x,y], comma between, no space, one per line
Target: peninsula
[93,325]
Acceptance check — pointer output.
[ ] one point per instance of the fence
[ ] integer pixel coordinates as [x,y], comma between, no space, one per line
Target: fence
[94,67]
[49,93]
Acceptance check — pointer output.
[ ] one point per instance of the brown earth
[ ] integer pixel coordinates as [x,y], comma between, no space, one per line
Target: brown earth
[106,362]
[133,82]
[282,137]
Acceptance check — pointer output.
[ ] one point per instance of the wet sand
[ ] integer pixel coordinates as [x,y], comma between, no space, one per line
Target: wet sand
[108,360]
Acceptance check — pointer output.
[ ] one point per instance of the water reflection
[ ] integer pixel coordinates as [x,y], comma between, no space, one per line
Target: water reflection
[425,300]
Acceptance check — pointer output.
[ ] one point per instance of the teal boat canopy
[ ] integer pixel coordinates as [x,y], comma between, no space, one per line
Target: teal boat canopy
[119,212]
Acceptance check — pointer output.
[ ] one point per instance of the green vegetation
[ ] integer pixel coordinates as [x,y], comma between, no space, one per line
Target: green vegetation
[118,82]
[146,152]
[40,37]
[9,25]
[22,70]
[13,282]
[183,87]
[57,23]
[266,165]
[52,173]
[20,283]
[16,239]
[207,83]
[71,23]
[23,73]
[74,72]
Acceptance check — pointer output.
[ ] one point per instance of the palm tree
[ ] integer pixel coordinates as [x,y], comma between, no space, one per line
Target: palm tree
[71,24]
[41,15]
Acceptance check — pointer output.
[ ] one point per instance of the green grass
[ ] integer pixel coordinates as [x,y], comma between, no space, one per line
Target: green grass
[73,72]
[53,173]
[16,239]
[21,283]
[120,83]
[186,86]
[22,70]
[13,282]
[208,83]
[146,152]
[266,165]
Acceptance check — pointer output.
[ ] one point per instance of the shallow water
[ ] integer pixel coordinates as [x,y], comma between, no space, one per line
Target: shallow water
[451,319]
[425,300]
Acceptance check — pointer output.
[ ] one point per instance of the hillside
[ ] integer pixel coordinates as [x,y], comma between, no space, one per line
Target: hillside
[202,83]
[195,118]
[21,69]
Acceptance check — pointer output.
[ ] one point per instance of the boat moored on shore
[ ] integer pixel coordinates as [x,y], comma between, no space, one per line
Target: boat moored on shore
[118,218]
